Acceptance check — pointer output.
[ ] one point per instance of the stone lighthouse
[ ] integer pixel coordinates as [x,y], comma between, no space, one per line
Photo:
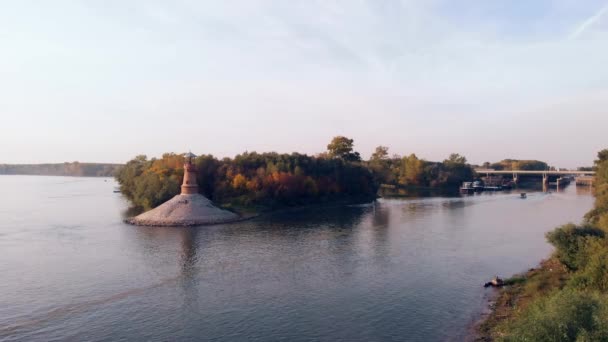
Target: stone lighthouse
[189,208]
[189,185]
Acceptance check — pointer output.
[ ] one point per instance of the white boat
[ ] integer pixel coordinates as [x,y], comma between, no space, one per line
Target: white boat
[478,186]
[467,187]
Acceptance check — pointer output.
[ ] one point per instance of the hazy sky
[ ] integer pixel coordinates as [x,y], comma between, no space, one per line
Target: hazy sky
[107,80]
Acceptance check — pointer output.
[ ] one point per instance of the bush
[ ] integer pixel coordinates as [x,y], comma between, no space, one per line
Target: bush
[566,315]
[570,242]
[594,274]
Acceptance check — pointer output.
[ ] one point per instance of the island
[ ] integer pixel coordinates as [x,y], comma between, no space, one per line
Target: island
[189,208]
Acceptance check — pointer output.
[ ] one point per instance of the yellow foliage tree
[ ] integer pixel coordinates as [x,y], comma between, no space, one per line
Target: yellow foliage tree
[239,182]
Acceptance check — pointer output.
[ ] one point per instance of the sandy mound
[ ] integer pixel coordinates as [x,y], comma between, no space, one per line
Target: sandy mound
[184,210]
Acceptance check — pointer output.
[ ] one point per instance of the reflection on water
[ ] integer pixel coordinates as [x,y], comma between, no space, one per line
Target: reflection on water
[418,192]
[398,269]
[584,190]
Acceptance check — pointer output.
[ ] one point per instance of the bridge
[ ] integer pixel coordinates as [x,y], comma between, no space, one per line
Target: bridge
[536,172]
[544,173]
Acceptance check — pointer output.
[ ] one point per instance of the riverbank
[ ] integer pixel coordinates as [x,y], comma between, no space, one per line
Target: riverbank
[516,295]
[566,298]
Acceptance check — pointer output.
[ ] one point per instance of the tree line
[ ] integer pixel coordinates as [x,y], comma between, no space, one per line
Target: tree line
[413,171]
[270,180]
[61,169]
[515,164]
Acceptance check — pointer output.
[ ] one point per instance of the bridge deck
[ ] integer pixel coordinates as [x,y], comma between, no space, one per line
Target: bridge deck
[529,172]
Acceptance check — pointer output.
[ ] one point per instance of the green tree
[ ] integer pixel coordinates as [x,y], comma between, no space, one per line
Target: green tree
[455,170]
[411,171]
[602,156]
[455,159]
[342,148]
[381,153]
[380,165]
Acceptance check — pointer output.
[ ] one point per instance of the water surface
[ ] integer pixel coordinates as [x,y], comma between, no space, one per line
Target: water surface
[402,269]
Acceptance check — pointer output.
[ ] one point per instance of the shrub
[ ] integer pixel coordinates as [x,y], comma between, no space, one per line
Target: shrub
[566,315]
[594,275]
[570,241]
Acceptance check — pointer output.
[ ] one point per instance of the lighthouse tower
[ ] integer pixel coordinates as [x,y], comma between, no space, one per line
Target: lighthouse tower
[189,185]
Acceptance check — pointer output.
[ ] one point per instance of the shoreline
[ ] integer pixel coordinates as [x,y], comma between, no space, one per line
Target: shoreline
[246,214]
[242,218]
[518,292]
[472,331]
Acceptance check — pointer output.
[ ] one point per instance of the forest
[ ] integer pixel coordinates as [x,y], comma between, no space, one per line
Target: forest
[272,180]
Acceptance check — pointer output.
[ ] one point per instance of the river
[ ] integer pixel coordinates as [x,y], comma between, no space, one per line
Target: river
[399,270]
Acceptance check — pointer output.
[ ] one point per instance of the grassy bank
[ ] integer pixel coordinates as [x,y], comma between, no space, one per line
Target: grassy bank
[517,295]
[566,297]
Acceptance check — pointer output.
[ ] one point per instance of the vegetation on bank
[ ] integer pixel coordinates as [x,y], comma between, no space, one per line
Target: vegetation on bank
[61,169]
[411,171]
[566,299]
[515,164]
[272,180]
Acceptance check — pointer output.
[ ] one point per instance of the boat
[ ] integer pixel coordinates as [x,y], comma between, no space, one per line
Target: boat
[478,186]
[467,188]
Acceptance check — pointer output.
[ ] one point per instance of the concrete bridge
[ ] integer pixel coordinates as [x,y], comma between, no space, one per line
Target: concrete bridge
[536,172]
[543,173]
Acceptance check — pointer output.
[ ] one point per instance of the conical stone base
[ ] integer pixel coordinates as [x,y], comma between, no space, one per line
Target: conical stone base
[184,210]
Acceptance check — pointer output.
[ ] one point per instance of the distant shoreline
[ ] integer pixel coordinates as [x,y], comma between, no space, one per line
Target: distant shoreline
[73,169]
[50,175]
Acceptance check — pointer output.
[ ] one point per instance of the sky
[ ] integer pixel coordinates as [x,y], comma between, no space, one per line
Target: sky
[104,81]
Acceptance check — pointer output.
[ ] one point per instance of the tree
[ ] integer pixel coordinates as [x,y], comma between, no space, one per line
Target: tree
[602,156]
[455,159]
[380,165]
[381,153]
[412,170]
[455,170]
[342,148]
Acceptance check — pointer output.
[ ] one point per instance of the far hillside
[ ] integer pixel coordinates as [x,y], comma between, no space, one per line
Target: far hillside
[61,169]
